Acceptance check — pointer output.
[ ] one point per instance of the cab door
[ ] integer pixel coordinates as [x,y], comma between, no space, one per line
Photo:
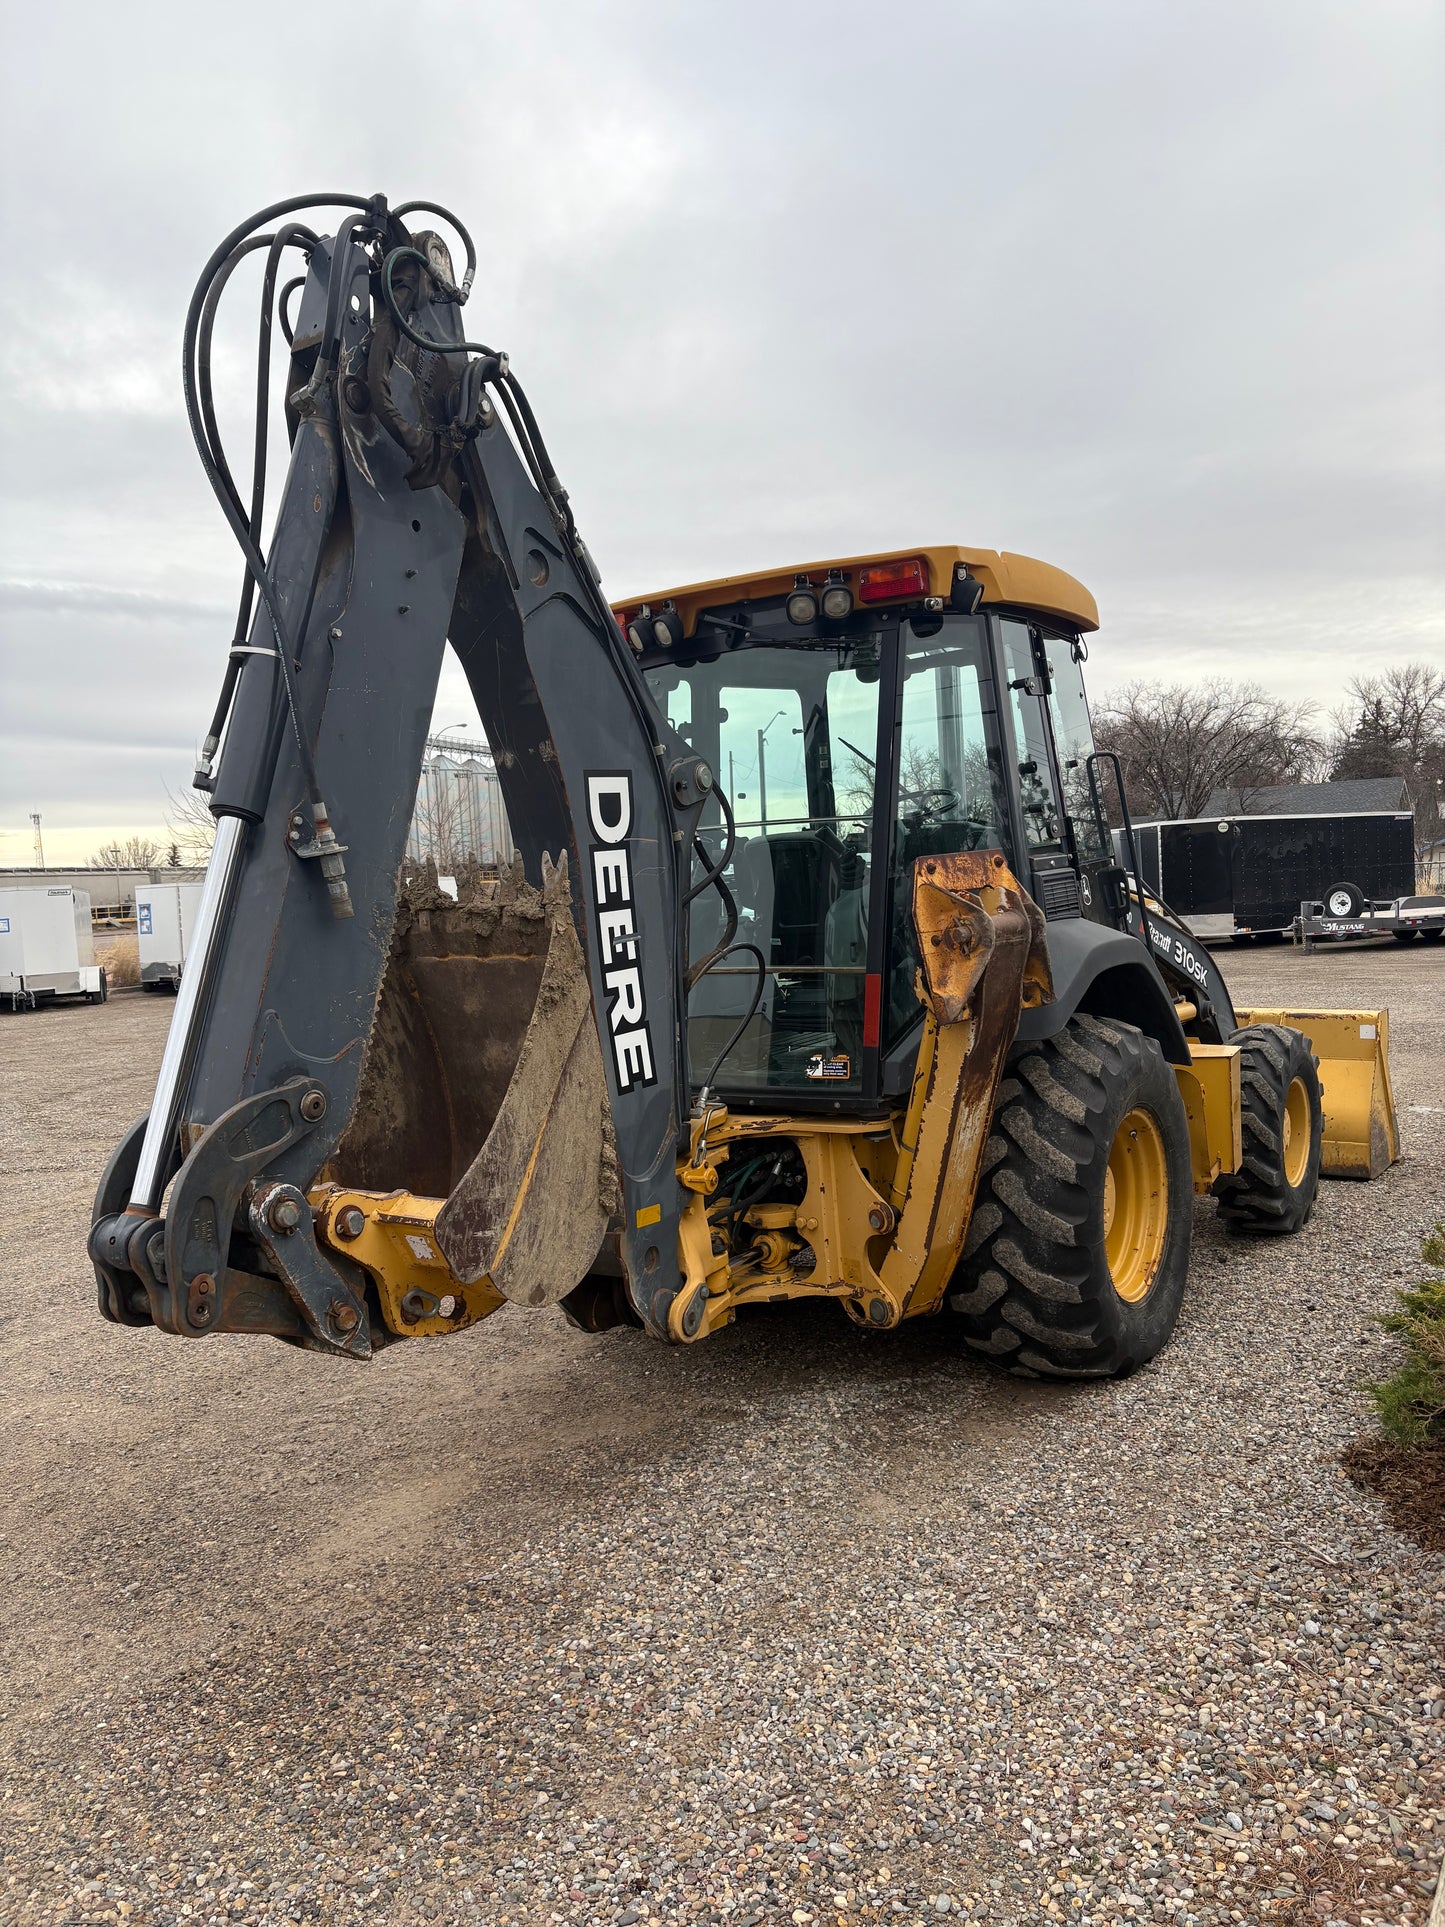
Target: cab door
[1073,737]
[1047,844]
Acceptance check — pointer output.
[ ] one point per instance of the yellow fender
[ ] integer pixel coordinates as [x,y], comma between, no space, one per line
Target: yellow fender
[1361,1136]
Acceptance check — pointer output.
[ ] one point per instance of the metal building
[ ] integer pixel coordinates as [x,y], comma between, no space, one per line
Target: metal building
[459,816]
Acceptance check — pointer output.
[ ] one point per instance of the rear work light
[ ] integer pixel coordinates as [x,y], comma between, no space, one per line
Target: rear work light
[667,627]
[638,629]
[837,598]
[802,604]
[891,581]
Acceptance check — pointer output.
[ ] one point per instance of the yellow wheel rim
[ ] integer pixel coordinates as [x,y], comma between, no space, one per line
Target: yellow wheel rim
[1296,1134]
[1136,1206]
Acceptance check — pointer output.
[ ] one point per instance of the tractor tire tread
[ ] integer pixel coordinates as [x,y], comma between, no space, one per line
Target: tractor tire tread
[1257,1200]
[1033,1291]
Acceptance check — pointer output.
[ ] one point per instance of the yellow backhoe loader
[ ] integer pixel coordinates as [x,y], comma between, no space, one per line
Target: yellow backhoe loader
[820,971]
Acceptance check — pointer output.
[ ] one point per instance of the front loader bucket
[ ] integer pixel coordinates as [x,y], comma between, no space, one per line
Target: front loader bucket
[483,1084]
[1361,1137]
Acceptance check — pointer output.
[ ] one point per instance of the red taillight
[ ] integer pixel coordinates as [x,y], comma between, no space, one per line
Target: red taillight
[888,581]
[872,1009]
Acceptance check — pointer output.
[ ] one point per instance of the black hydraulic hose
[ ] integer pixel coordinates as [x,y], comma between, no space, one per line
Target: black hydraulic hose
[224,488]
[287,327]
[749,1187]
[534,467]
[751,1012]
[218,270]
[203,356]
[738,1182]
[404,327]
[293,234]
[713,871]
[693,974]
[433,207]
[544,460]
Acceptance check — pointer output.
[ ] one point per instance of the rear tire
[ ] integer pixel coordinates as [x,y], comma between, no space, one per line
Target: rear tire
[1078,1247]
[1282,1122]
[1432,936]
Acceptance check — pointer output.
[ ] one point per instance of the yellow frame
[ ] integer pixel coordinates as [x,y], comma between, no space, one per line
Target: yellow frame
[1209,1085]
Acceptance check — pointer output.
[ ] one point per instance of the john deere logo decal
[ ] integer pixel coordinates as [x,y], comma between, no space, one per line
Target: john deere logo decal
[609,815]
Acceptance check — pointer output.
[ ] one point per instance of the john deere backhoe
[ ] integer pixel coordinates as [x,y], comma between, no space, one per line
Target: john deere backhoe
[819,972]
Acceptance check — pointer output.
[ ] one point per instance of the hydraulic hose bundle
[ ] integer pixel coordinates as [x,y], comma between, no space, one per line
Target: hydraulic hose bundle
[370,220]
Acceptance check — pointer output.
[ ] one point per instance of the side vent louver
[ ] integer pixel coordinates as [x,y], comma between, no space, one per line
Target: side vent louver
[1057,893]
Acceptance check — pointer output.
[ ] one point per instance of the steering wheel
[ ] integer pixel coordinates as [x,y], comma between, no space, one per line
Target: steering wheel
[921,800]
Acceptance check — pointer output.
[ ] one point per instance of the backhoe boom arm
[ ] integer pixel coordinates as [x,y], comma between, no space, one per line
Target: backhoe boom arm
[420,506]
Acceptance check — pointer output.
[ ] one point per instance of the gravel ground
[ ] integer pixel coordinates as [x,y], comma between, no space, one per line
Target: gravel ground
[797,1626]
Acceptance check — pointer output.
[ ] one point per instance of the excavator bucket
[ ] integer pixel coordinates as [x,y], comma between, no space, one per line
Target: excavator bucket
[1361,1137]
[484,1085]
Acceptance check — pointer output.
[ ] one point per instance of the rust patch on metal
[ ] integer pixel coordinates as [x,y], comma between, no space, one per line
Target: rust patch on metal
[984,958]
[966,907]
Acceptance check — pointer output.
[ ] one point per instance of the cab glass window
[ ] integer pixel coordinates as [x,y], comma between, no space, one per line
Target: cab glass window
[791,728]
[1074,743]
[1042,828]
[950,788]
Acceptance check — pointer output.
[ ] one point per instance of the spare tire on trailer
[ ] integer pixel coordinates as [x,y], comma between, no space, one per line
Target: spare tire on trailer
[1344,900]
[1282,1130]
[1078,1248]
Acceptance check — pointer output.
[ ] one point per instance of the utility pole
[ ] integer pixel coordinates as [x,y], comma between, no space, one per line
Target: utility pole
[763,769]
[39,840]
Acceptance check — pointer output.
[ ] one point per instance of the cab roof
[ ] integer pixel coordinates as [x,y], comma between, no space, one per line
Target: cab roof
[1018,580]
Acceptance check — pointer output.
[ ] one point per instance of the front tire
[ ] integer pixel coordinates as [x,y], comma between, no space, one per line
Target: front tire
[1078,1247]
[1282,1125]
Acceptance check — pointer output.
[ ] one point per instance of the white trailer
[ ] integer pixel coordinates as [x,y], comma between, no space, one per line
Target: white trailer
[46,947]
[164,915]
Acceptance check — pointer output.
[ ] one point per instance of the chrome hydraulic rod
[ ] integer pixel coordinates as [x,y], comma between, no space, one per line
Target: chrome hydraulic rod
[176,1061]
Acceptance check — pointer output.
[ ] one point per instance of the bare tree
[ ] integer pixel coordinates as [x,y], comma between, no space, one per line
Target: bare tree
[136,853]
[1392,722]
[439,824]
[1394,725]
[192,827]
[1178,743]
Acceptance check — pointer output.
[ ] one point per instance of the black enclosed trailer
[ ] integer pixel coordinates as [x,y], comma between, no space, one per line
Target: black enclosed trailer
[1246,872]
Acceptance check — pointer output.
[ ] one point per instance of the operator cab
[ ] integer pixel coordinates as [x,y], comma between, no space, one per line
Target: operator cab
[859,715]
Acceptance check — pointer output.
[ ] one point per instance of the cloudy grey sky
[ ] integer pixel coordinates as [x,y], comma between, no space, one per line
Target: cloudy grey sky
[1155,292]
